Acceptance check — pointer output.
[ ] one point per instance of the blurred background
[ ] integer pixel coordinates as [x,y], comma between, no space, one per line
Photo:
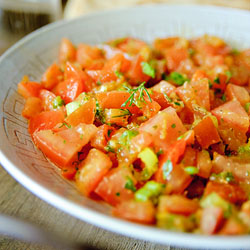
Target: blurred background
[20,17]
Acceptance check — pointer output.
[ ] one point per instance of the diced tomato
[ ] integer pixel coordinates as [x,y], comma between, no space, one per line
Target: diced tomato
[206,133]
[174,56]
[69,173]
[201,90]
[211,219]
[164,87]
[28,89]
[165,127]
[138,211]
[150,108]
[165,43]
[112,187]
[131,46]
[204,164]
[102,136]
[198,75]
[222,83]
[116,116]
[229,192]
[233,226]
[45,120]
[189,157]
[189,137]
[115,99]
[84,114]
[135,73]
[237,92]
[233,114]
[52,76]
[67,51]
[88,55]
[177,204]
[47,99]
[92,170]
[32,107]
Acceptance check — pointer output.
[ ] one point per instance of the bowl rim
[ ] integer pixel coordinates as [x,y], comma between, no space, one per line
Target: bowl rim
[99,219]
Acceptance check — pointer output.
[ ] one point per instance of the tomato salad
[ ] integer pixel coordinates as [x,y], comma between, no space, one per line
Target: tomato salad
[160,132]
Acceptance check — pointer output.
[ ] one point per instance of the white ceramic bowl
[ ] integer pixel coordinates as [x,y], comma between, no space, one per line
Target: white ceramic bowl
[34,53]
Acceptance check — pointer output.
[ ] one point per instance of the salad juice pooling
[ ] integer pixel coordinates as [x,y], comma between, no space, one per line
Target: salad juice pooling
[160,132]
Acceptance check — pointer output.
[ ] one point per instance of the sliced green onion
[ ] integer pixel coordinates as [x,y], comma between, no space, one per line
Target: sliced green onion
[191,170]
[148,69]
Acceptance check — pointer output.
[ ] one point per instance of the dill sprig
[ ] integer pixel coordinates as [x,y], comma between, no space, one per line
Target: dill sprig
[131,100]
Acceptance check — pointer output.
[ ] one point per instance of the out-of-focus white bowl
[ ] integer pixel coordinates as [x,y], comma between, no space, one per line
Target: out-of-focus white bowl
[37,51]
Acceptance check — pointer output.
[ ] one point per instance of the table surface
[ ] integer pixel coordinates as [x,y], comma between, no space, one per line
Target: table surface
[18,202]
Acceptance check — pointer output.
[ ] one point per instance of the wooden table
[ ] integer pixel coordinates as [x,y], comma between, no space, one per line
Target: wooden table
[17,201]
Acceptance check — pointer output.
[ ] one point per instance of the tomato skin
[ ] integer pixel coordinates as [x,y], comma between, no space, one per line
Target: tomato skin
[114,100]
[177,204]
[47,97]
[206,132]
[233,227]
[52,76]
[45,120]
[28,89]
[232,114]
[32,107]
[67,51]
[84,114]
[92,170]
[237,92]
[165,127]
[142,212]
[211,219]
[112,187]
[102,136]
[229,192]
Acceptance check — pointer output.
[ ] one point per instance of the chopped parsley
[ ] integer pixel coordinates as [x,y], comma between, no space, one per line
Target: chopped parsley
[130,184]
[118,194]
[160,152]
[118,74]
[173,125]
[109,132]
[217,80]
[177,78]
[167,97]
[126,137]
[148,69]
[247,106]
[191,170]
[124,112]
[229,75]
[223,98]
[58,102]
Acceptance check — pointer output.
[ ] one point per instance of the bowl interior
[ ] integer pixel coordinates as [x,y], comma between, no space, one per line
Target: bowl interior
[33,54]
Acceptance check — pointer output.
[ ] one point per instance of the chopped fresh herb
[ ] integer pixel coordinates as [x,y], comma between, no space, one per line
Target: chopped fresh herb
[217,80]
[160,152]
[64,141]
[167,169]
[117,194]
[118,74]
[229,75]
[147,69]
[223,98]
[108,148]
[223,177]
[173,125]
[177,103]
[65,124]
[191,170]
[167,97]
[180,137]
[131,100]
[124,112]
[99,83]
[130,184]
[177,78]
[109,132]
[247,106]
[126,137]
[210,84]
[191,51]
[58,102]
[235,52]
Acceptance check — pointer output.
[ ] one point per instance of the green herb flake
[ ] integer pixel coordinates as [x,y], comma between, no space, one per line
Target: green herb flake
[64,141]
[217,80]
[126,137]
[99,83]
[223,98]
[210,84]
[229,75]
[167,97]
[160,152]
[173,126]
[235,52]
[125,112]
[131,100]
[117,194]
[191,170]
[118,74]
[58,102]
[109,132]
[247,106]
[130,184]
[177,78]
[191,51]
[177,103]
[65,124]
[148,69]
[167,169]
